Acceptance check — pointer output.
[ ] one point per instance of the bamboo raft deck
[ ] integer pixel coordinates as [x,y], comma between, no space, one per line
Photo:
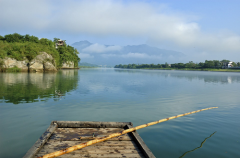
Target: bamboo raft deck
[64,134]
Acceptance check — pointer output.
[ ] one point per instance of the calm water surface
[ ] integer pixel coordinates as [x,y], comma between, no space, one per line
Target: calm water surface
[28,104]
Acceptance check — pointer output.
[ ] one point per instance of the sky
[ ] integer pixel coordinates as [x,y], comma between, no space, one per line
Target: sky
[201,29]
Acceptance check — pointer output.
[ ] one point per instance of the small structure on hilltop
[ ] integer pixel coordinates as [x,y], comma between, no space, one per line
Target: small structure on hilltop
[60,43]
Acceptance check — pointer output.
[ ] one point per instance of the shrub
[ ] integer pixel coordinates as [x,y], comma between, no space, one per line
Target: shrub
[13,69]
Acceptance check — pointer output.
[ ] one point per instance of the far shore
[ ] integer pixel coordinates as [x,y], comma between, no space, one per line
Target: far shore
[188,69]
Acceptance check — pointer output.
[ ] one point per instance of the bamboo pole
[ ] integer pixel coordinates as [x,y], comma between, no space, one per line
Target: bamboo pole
[82,145]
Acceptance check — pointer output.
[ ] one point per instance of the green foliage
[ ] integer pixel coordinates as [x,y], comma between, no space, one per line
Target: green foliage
[225,61]
[1,63]
[1,37]
[209,64]
[55,40]
[11,38]
[68,53]
[20,47]
[14,69]
[234,64]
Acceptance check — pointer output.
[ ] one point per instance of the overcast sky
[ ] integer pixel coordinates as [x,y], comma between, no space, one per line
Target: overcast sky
[201,29]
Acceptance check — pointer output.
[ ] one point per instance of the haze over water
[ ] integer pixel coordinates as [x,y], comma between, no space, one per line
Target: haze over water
[28,104]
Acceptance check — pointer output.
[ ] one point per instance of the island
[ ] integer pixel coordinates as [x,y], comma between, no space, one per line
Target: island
[29,53]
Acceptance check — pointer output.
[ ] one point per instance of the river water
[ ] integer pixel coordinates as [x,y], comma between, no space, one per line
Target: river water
[28,104]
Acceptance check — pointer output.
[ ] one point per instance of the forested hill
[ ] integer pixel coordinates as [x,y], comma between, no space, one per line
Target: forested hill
[21,47]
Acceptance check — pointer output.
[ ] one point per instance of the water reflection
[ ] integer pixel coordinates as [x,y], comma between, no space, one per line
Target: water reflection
[33,87]
[208,77]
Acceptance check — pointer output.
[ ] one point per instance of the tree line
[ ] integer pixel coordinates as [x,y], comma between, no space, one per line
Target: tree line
[28,47]
[207,64]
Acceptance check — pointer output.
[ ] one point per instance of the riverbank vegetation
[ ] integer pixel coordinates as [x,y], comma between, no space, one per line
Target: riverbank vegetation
[208,65]
[13,69]
[21,47]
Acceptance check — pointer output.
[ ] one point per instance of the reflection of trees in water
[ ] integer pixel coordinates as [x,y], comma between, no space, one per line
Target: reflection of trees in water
[199,146]
[209,77]
[32,87]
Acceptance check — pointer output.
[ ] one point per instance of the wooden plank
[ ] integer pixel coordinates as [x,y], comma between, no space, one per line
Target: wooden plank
[91,124]
[146,151]
[96,151]
[106,147]
[112,143]
[57,145]
[89,131]
[119,155]
[85,134]
[70,133]
[75,134]
[41,141]
[89,148]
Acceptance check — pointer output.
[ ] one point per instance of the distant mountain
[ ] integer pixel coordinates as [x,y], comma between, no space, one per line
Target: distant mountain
[144,48]
[87,64]
[81,45]
[112,55]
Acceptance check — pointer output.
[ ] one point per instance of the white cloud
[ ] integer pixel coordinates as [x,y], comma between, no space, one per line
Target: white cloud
[140,55]
[108,18]
[98,48]
[109,55]
[133,55]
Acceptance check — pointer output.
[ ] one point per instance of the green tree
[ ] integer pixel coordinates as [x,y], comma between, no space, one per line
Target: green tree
[234,64]
[217,63]
[208,64]
[166,65]
[1,37]
[190,64]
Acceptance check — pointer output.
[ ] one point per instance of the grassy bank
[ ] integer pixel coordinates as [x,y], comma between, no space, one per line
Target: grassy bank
[13,69]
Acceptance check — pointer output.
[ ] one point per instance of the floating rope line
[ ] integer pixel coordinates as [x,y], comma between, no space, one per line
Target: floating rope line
[82,145]
[199,146]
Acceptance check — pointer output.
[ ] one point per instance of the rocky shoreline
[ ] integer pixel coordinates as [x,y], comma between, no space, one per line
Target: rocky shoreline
[41,63]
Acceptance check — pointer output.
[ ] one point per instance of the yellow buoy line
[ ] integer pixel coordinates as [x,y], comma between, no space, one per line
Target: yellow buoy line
[98,140]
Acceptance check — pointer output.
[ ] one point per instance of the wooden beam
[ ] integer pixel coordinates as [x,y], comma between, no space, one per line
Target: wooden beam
[41,141]
[146,151]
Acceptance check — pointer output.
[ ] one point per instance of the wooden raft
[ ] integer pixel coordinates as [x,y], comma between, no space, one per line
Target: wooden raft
[64,134]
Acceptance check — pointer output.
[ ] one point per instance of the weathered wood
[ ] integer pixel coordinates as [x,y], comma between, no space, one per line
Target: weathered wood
[109,147]
[57,145]
[91,124]
[96,151]
[76,134]
[41,141]
[89,131]
[60,137]
[119,155]
[111,143]
[97,155]
[146,151]
[69,133]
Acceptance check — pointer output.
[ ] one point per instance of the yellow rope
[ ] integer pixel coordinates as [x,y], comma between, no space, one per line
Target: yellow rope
[82,145]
